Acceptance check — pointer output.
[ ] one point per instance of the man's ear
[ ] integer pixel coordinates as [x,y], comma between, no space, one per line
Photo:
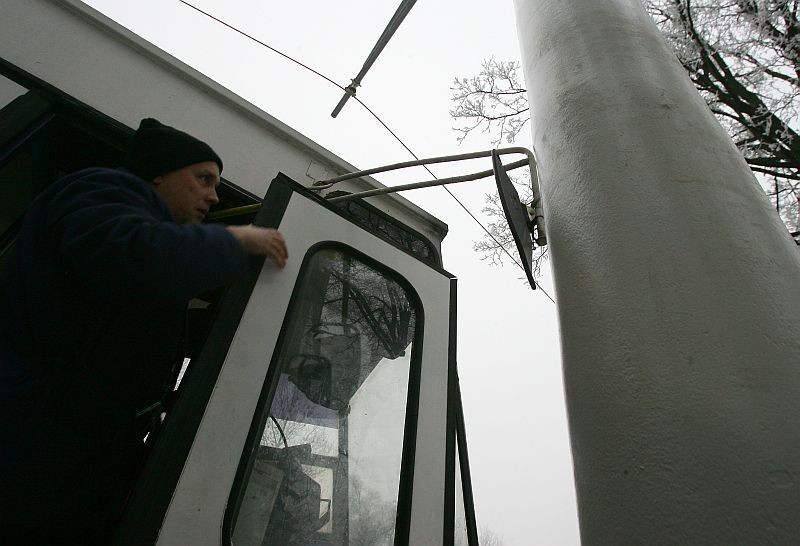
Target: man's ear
[158,180]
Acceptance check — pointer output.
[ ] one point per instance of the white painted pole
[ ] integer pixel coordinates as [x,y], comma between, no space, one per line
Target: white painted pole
[678,290]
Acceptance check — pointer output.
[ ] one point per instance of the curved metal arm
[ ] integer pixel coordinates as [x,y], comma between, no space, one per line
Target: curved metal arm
[427,183]
[537,213]
[325,184]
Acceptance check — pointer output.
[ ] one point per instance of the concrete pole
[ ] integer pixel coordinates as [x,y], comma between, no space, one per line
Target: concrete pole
[678,290]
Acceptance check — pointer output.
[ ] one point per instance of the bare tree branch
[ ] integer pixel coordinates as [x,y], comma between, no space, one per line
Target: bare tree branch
[493,101]
[743,56]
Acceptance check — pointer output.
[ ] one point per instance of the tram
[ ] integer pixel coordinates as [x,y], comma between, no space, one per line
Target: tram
[320,404]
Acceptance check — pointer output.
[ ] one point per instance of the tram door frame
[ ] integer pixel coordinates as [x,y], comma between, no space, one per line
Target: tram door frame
[187,489]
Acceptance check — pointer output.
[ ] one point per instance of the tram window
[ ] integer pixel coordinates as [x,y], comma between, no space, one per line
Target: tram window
[16,169]
[20,168]
[327,467]
[16,188]
[52,148]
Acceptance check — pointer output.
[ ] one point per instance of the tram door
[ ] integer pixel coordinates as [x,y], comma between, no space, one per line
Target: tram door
[327,420]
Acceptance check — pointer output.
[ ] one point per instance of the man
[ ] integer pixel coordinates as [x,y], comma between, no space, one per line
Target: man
[92,309]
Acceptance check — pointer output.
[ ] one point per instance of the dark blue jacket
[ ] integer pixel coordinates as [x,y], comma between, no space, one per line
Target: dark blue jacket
[92,307]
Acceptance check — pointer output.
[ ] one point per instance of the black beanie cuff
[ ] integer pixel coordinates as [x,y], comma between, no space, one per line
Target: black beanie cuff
[158,149]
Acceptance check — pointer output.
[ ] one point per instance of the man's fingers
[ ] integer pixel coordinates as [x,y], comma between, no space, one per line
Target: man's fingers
[279,257]
[276,247]
[264,241]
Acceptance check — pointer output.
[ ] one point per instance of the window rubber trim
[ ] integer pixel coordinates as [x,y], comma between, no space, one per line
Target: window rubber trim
[406,482]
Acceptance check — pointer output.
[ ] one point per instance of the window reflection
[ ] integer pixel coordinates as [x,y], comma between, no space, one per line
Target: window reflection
[16,171]
[327,468]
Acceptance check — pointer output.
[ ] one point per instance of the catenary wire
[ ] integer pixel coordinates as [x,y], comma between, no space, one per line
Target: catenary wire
[253,38]
[373,114]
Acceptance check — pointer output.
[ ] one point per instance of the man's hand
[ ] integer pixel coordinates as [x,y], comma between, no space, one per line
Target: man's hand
[262,241]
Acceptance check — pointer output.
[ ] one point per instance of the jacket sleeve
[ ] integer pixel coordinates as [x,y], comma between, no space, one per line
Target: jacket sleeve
[116,238]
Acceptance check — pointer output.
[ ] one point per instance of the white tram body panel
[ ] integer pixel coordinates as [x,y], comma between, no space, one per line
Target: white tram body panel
[323,404]
[89,57]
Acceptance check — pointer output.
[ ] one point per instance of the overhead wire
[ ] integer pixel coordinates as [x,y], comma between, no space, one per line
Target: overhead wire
[368,109]
[282,54]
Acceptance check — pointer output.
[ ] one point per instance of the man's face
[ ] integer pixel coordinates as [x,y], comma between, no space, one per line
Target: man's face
[190,191]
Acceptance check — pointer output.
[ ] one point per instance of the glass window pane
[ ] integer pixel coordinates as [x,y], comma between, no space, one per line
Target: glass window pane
[16,171]
[327,469]
[16,187]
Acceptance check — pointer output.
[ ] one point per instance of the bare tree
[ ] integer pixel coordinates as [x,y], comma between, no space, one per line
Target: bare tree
[743,56]
[372,518]
[494,101]
[487,537]
[493,249]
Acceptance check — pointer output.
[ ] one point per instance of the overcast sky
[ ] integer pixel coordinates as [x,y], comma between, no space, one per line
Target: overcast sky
[508,353]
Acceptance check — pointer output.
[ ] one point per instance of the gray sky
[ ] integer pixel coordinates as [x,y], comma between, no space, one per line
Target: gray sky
[508,352]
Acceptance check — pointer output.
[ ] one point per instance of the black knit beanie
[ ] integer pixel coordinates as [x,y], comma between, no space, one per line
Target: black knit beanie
[157,149]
